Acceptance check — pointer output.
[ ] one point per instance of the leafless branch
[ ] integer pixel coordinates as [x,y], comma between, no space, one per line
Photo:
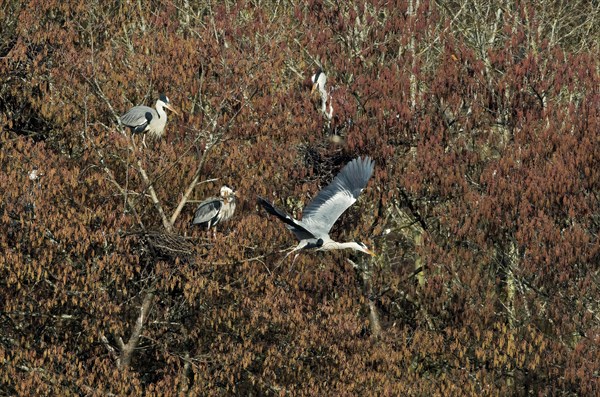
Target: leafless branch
[365,272]
[166,223]
[218,136]
[128,348]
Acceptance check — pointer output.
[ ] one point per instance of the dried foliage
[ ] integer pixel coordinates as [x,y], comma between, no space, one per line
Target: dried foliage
[483,118]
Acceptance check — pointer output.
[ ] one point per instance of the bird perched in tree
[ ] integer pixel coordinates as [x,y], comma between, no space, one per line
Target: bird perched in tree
[324,210]
[318,84]
[144,119]
[318,80]
[216,209]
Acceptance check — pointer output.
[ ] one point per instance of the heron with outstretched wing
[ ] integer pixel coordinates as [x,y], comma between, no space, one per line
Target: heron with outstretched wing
[324,210]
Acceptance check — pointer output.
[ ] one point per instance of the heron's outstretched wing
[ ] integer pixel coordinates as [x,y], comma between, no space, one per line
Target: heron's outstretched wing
[322,212]
[207,211]
[295,226]
[136,116]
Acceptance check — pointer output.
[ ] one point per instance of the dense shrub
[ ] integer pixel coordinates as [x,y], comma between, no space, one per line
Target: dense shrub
[482,117]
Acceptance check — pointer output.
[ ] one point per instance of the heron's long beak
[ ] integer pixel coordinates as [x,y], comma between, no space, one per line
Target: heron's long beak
[171,108]
[368,251]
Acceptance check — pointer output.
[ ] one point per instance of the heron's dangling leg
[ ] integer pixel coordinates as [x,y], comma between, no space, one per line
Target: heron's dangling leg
[290,253]
[286,250]
[293,261]
[292,250]
[296,249]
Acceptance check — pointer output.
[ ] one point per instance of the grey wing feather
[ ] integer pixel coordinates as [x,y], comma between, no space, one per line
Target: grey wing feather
[207,210]
[136,116]
[324,210]
[142,127]
[294,225]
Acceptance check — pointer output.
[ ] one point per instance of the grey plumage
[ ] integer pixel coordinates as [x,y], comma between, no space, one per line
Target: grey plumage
[144,119]
[214,210]
[142,127]
[324,210]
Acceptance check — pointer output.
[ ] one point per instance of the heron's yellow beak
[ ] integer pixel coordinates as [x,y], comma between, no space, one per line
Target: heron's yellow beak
[171,108]
[371,252]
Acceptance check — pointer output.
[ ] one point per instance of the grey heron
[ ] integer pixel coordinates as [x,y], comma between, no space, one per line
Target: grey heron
[144,119]
[324,210]
[215,209]
[318,83]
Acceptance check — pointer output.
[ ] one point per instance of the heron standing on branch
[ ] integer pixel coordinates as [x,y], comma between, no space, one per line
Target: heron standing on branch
[144,119]
[318,80]
[215,209]
[324,210]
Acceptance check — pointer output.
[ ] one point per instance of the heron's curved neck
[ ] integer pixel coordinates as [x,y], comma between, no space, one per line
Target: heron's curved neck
[334,245]
[160,109]
[323,92]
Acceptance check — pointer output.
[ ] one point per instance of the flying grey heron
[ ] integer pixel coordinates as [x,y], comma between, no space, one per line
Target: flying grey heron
[144,119]
[215,209]
[318,83]
[324,210]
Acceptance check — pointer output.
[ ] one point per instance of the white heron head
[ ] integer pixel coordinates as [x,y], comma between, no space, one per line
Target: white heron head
[163,101]
[227,193]
[363,248]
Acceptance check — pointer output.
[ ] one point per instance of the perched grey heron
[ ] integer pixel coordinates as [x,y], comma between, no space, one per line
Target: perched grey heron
[215,209]
[324,210]
[144,119]
[318,83]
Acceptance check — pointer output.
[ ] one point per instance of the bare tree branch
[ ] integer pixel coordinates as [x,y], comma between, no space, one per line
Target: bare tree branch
[128,348]
[167,225]
[216,140]
[365,272]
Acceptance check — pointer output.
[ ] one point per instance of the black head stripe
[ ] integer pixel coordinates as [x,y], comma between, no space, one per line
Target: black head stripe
[317,75]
